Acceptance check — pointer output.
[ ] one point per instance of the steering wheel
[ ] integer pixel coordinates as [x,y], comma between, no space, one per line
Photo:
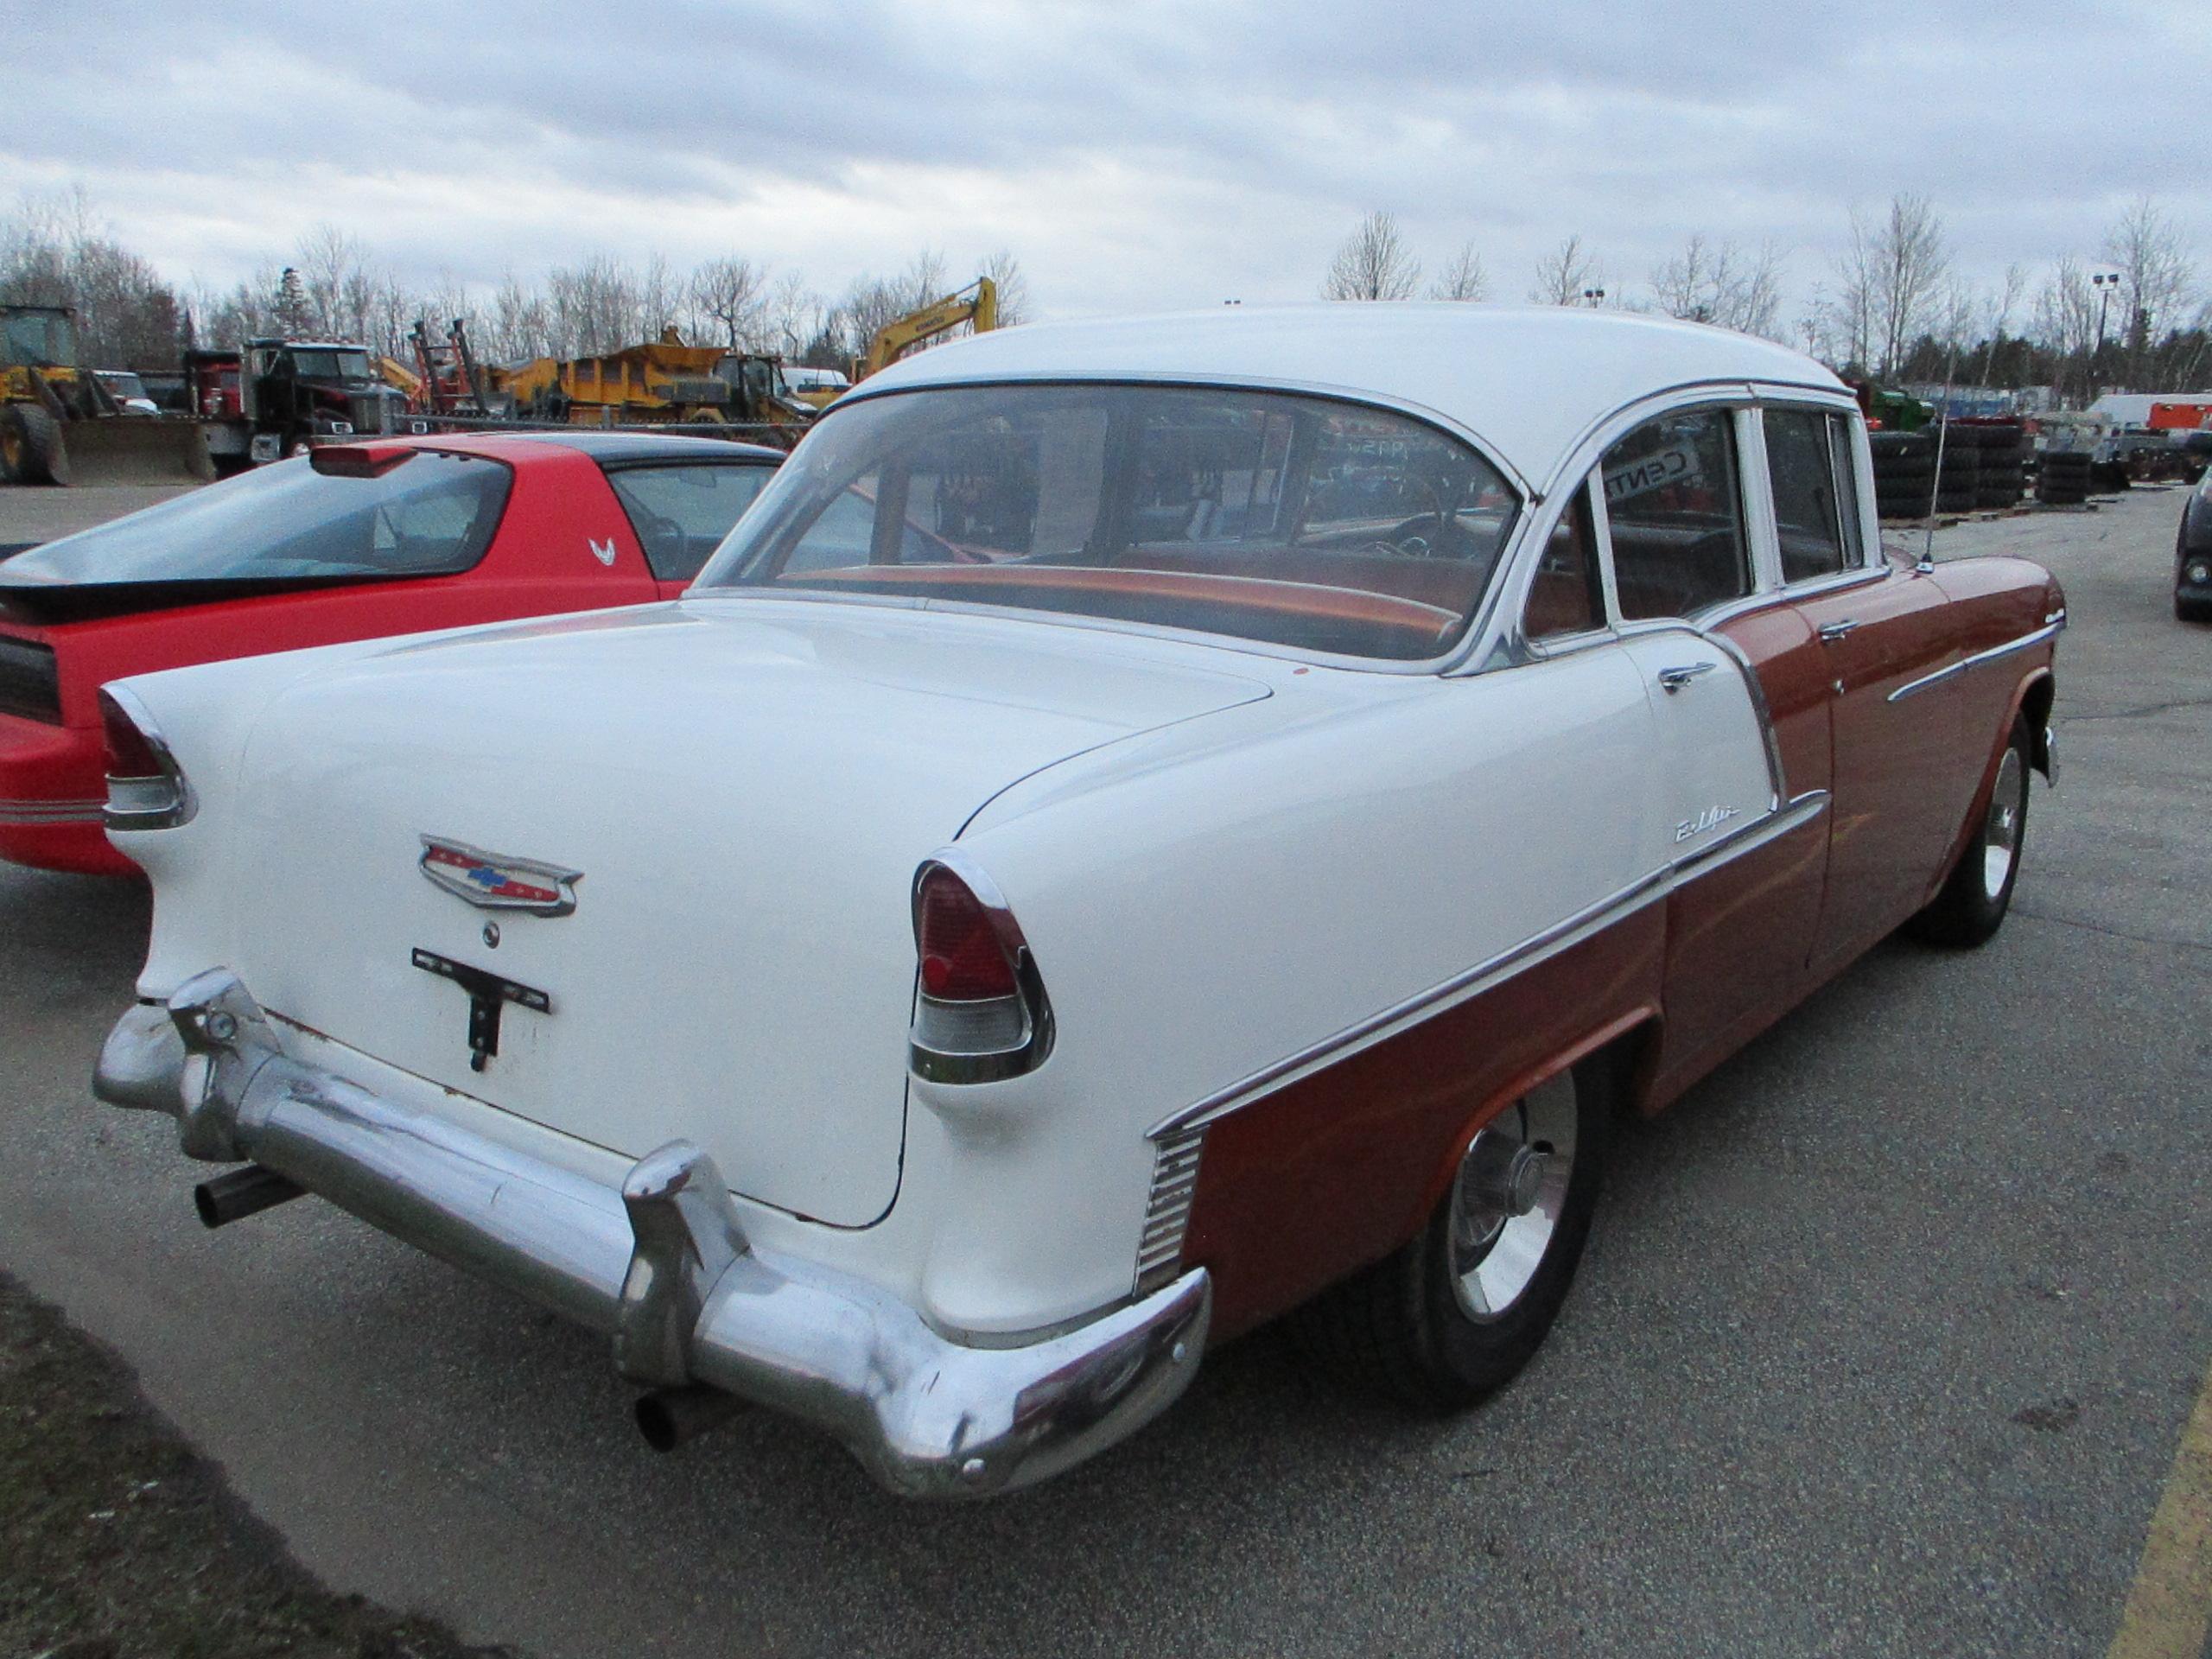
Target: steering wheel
[1428,536]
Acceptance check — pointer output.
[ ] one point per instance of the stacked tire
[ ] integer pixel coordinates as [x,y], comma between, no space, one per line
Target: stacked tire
[2063,478]
[1904,472]
[2000,452]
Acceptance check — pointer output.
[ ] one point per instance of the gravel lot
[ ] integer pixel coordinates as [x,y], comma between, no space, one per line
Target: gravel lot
[1883,1344]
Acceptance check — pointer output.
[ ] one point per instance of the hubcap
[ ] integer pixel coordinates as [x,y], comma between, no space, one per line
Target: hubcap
[2000,833]
[1509,1198]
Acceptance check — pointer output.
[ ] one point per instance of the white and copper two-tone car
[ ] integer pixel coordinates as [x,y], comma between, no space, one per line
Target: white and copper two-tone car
[1146,826]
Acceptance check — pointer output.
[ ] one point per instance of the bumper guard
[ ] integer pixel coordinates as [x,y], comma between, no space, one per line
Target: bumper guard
[662,1265]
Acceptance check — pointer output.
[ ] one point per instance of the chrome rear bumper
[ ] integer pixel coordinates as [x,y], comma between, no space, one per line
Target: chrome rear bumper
[662,1264]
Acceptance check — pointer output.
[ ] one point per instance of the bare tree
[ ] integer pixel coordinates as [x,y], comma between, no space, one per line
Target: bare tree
[2147,248]
[792,317]
[53,250]
[728,292]
[1566,274]
[1004,272]
[1463,277]
[1372,263]
[1888,280]
[1720,283]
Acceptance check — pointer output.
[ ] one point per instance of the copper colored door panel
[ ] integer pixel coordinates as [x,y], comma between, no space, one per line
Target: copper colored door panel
[1895,785]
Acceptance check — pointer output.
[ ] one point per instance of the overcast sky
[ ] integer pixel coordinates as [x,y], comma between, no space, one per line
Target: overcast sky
[1132,155]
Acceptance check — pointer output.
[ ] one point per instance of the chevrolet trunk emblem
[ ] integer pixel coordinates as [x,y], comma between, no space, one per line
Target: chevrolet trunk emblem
[494,881]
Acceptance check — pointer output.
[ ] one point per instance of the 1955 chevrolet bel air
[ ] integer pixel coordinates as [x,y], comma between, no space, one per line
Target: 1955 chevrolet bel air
[1147,826]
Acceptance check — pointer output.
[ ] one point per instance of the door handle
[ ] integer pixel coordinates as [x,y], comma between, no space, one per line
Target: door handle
[1673,679]
[1832,632]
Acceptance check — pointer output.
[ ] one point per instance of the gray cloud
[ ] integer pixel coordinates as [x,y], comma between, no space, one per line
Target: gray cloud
[1132,155]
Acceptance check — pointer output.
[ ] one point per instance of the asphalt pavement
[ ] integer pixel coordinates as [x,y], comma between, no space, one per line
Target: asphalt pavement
[1882,1345]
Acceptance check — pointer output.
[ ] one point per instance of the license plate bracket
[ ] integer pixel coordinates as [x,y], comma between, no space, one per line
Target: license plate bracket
[488,995]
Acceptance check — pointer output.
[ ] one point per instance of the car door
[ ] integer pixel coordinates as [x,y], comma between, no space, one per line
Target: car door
[1746,865]
[1880,626]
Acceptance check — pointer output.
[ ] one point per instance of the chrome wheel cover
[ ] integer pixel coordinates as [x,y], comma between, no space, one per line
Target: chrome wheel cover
[2001,832]
[1495,1254]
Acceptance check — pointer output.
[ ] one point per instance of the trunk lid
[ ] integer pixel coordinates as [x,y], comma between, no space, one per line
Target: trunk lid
[745,787]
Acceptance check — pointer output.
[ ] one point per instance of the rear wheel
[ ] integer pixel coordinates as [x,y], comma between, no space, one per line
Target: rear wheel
[1451,1315]
[1971,906]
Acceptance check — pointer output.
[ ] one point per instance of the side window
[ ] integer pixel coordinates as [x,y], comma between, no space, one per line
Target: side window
[682,513]
[1566,595]
[1676,515]
[1801,461]
[1847,490]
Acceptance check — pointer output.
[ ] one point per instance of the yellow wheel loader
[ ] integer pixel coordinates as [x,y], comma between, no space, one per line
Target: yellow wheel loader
[58,424]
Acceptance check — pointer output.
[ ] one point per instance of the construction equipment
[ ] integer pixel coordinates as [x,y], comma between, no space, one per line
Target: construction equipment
[450,379]
[60,424]
[978,303]
[662,382]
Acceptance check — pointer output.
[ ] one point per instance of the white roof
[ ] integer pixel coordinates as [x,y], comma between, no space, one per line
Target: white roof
[1527,380]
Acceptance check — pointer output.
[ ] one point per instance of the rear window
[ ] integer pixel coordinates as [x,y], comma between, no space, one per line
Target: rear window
[432,515]
[682,513]
[1294,520]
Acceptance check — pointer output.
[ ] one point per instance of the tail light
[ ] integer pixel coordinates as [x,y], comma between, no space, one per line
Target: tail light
[979,1009]
[146,789]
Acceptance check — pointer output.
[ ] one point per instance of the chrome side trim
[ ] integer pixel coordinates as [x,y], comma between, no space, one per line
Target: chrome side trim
[32,810]
[1456,990]
[1736,843]
[1168,1209]
[662,1264]
[1486,975]
[2025,642]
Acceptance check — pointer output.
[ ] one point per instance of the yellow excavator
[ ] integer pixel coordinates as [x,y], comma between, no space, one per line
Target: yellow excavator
[978,303]
[58,424]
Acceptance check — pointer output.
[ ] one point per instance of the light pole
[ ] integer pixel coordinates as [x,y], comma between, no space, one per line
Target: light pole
[2108,283]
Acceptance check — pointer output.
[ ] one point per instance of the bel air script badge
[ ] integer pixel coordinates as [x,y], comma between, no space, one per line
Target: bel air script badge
[494,881]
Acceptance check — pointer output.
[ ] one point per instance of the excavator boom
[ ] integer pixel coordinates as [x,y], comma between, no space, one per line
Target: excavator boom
[978,303]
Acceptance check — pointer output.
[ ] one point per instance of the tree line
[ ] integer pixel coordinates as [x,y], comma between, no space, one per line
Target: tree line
[2132,315]
[53,250]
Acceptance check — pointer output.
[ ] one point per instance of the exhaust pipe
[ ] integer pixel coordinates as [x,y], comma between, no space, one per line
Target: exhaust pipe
[242,1193]
[670,1417]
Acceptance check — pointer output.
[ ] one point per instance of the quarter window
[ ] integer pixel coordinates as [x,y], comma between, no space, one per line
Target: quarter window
[682,513]
[1676,515]
[1566,594]
[1801,462]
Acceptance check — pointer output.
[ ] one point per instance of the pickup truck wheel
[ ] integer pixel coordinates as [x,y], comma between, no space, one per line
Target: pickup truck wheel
[1451,1315]
[1971,906]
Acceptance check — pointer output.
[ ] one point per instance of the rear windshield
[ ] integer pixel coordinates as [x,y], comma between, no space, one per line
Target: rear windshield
[431,515]
[1294,520]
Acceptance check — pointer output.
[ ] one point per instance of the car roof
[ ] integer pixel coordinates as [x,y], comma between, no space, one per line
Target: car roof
[1529,381]
[616,444]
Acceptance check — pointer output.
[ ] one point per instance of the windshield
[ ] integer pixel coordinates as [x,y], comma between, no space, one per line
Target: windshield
[37,340]
[431,515]
[122,384]
[331,366]
[1297,521]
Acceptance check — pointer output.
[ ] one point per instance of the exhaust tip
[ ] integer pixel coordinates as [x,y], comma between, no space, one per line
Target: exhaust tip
[669,1418]
[242,1193]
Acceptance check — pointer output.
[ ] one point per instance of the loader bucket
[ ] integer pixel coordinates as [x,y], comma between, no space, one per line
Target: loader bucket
[127,449]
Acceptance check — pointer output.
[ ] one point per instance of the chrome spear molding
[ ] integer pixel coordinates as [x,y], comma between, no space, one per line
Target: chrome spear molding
[662,1265]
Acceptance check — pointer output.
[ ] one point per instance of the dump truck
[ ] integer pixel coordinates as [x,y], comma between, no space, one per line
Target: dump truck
[59,423]
[662,382]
